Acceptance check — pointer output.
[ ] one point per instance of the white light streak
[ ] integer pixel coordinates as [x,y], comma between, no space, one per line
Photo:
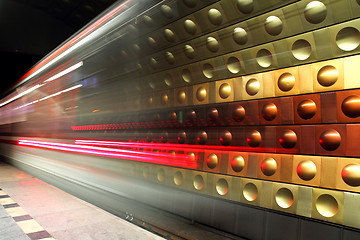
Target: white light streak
[66,71]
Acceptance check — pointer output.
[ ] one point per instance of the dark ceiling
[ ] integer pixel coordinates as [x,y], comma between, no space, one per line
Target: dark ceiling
[30,29]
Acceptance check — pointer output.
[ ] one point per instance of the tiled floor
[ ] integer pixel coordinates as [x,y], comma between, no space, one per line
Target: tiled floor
[32,209]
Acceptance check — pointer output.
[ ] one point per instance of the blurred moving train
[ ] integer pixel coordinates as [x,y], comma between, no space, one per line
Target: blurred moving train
[240,115]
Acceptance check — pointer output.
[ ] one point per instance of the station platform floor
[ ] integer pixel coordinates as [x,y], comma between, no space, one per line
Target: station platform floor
[33,209]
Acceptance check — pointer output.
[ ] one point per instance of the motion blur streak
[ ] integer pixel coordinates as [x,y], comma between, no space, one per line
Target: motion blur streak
[177,147]
[163,158]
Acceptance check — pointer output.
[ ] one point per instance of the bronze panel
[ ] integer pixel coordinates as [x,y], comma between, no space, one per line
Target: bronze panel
[269,139]
[288,139]
[244,113]
[217,115]
[285,197]
[287,81]
[224,91]
[307,109]
[269,111]
[269,167]
[237,164]
[307,144]
[348,106]
[269,84]
[352,140]
[328,107]
[328,205]
[328,171]
[287,110]
[330,140]
[253,166]
[306,170]
[328,75]
[347,174]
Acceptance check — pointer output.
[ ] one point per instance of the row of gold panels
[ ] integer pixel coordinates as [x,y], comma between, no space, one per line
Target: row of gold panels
[210,18]
[332,75]
[324,204]
[344,41]
[283,22]
[303,48]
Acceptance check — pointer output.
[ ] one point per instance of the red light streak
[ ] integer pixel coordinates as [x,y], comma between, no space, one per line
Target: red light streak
[180,147]
[181,160]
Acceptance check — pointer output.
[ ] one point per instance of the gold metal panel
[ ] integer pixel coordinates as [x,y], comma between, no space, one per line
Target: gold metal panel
[163,175]
[212,161]
[252,87]
[269,167]
[266,194]
[293,21]
[321,37]
[340,10]
[314,15]
[306,170]
[187,27]
[180,178]
[252,164]
[222,187]
[287,163]
[237,164]
[273,25]
[328,75]
[190,74]
[211,17]
[265,57]
[251,191]
[282,53]
[354,8]
[233,64]
[224,91]
[201,94]
[348,174]
[236,36]
[304,204]
[328,171]
[269,82]
[351,64]
[201,182]
[165,99]
[328,205]
[344,38]
[208,46]
[306,79]
[208,70]
[287,81]
[285,197]
[302,48]
[235,189]
[351,209]
[181,96]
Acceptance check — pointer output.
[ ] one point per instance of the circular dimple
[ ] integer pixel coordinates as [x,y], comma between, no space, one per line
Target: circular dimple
[169,58]
[164,99]
[198,182]
[150,101]
[212,44]
[306,170]
[306,109]
[284,198]
[123,53]
[148,21]
[202,137]
[173,116]
[181,137]
[238,113]
[245,6]
[348,39]
[254,138]
[240,36]
[273,25]
[136,48]
[181,96]
[315,12]
[327,205]
[225,138]
[189,51]
[212,161]
[288,139]
[146,172]
[327,75]
[358,2]
[169,35]
[330,139]
[351,174]
[167,11]
[178,178]
[191,156]
[191,115]
[190,27]
[164,136]
[215,16]
[233,65]
[222,187]
[269,111]
[168,79]
[224,90]
[238,163]
[153,63]
[208,70]
[250,192]
[351,106]
[201,94]
[186,75]
[286,82]
[252,87]
[264,58]
[161,175]
[190,3]
[301,49]
[268,166]
[152,43]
